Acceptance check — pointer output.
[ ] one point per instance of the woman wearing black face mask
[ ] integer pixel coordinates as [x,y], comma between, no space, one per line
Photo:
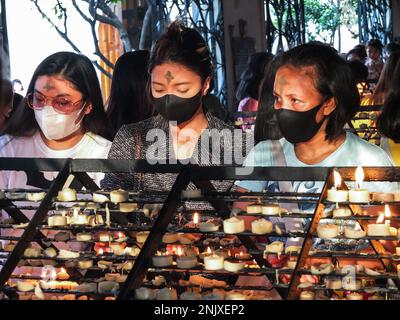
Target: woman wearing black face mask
[315,96]
[180,72]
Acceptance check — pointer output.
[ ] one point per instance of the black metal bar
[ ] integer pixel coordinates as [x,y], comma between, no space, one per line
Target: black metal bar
[86,181]
[143,261]
[308,241]
[224,212]
[32,230]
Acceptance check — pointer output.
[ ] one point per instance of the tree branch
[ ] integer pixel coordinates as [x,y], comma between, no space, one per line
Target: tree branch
[109,17]
[64,34]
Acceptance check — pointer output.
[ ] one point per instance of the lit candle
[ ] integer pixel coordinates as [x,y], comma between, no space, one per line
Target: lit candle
[379,228]
[335,195]
[179,251]
[392,230]
[359,195]
[196,219]
[206,253]
[242,256]
[213,262]
[62,275]
[100,252]
[162,259]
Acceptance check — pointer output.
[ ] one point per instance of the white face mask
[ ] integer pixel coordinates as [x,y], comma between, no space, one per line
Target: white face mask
[56,126]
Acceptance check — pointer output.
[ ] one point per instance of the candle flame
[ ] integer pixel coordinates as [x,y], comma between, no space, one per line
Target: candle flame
[359,175]
[380,219]
[100,251]
[195,218]
[337,178]
[209,250]
[357,227]
[43,275]
[63,270]
[53,275]
[387,212]
[179,251]
[241,253]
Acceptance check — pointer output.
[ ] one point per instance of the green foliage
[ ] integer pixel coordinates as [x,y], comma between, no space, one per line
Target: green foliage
[324,17]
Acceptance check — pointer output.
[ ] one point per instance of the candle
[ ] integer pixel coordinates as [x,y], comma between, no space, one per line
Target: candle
[379,229]
[233,225]
[213,262]
[382,197]
[335,195]
[254,209]
[62,275]
[206,253]
[209,226]
[261,226]
[271,209]
[327,231]
[179,251]
[195,219]
[242,256]
[120,237]
[234,265]
[107,215]
[355,233]
[100,252]
[186,262]
[162,260]
[359,195]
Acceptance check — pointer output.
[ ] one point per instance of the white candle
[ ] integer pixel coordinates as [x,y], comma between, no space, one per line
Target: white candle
[162,260]
[196,219]
[355,233]
[234,265]
[359,195]
[213,262]
[107,215]
[261,226]
[335,195]
[233,225]
[379,229]
[186,262]
[327,231]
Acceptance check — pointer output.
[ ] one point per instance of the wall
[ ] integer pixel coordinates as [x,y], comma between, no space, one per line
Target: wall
[253,12]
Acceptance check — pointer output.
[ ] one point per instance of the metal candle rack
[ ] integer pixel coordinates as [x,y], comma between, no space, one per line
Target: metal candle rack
[200,176]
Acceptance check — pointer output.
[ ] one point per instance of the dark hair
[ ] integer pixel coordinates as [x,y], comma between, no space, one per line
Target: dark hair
[6,93]
[77,69]
[375,43]
[359,70]
[185,46]
[387,78]
[333,79]
[391,47]
[389,90]
[266,125]
[251,78]
[213,105]
[359,51]
[128,101]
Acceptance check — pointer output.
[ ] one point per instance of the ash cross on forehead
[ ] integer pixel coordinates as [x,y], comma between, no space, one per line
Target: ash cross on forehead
[48,86]
[169,76]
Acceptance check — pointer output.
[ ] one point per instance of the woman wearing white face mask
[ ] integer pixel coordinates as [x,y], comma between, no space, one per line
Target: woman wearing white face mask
[63,117]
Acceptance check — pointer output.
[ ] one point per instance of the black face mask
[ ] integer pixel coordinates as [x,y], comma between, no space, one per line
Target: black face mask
[298,126]
[174,108]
